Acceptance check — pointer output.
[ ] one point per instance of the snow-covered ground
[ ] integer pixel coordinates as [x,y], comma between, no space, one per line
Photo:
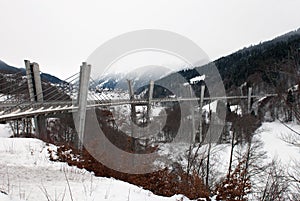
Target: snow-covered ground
[26,173]
[274,135]
[5,130]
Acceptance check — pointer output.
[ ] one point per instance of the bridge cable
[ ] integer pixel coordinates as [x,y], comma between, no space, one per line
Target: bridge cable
[32,103]
[5,76]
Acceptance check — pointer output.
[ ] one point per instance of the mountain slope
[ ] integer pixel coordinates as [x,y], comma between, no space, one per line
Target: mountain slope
[7,69]
[266,67]
[13,84]
[140,77]
[263,62]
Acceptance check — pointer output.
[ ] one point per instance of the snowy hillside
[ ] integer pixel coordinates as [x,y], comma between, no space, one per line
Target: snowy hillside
[271,134]
[27,174]
[275,139]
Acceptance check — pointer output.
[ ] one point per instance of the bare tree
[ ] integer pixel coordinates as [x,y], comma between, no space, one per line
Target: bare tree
[276,184]
[294,178]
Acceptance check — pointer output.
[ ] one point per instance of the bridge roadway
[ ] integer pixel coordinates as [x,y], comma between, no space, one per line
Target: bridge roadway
[14,111]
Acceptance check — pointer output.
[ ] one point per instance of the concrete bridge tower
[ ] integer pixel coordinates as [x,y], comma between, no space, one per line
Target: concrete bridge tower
[36,95]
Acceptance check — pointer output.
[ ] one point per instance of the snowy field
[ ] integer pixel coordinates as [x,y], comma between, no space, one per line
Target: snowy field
[274,136]
[26,173]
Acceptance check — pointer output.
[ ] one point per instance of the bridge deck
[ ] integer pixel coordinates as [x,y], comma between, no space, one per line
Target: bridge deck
[30,109]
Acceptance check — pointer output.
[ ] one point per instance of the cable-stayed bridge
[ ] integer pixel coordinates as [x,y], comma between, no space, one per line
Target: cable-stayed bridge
[29,97]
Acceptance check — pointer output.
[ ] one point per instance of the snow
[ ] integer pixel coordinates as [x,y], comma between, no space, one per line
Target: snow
[112,95]
[3,97]
[211,106]
[197,79]
[272,135]
[178,153]
[101,84]
[236,109]
[26,173]
[157,111]
[5,130]
[294,88]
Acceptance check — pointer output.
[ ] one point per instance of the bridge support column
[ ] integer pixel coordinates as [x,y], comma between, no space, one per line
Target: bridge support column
[193,115]
[131,96]
[151,87]
[132,116]
[249,99]
[36,95]
[85,71]
[200,112]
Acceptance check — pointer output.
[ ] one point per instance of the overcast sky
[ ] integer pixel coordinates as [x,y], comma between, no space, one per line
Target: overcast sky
[59,34]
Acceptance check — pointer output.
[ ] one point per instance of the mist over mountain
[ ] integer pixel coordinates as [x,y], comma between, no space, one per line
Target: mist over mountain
[263,66]
[266,67]
[140,77]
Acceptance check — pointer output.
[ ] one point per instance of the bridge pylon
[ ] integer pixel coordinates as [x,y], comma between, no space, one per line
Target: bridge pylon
[85,71]
[36,95]
[131,97]
[150,97]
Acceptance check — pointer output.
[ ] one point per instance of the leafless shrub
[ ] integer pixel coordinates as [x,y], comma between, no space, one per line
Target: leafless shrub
[276,185]
[294,178]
